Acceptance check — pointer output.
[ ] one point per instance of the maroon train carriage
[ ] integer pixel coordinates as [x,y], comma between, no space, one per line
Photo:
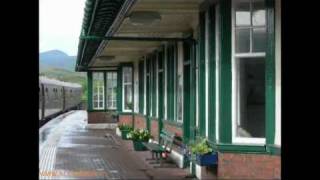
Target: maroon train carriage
[57,97]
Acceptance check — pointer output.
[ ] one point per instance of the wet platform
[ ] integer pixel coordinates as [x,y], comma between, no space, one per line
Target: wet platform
[71,151]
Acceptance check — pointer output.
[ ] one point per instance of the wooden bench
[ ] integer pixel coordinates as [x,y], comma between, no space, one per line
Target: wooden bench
[164,146]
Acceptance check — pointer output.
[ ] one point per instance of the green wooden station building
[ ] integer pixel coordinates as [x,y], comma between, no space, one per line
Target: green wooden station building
[197,68]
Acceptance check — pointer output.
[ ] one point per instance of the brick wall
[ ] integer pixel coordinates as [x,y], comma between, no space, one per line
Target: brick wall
[139,122]
[249,166]
[100,117]
[174,129]
[125,119]
[155,129]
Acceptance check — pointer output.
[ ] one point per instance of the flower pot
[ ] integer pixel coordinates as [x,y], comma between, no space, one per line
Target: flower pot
[124,134]
[138,146]
[207,159]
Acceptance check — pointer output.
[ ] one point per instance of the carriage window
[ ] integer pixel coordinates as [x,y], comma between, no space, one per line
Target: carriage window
[249,59]
[98,90]
[111,90]
[127,88]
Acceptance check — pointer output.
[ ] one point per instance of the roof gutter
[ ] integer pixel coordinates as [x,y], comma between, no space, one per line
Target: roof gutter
[89,30]
[128,38]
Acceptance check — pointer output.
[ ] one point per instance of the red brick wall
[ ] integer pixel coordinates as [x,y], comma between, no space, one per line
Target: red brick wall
[125,119]
[139,122]
[174,129]
[249,166]
[155,129]
[99,117]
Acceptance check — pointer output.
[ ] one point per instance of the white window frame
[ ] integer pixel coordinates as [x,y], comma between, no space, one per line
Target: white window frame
[112,94]
[217,43]
[98,93]
[123,87]
[206,69]
[235,56]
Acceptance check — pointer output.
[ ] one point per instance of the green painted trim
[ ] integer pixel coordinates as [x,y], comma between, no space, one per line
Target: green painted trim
[170,82]
[175,81]
[141,86]
[89,95]
[160,90]
[274,150]
[125,113]
[153,84]
[148,91]
[202,75]
[270,73]
[97,110]
[225,122]
[193,79]
[187,86]
[244,149]
[212,76]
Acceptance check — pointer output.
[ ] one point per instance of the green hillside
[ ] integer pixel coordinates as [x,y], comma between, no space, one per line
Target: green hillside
[68,76]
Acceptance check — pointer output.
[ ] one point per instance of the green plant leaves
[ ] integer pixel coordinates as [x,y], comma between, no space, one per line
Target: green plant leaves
[202,147]
[139,135]
[124,127]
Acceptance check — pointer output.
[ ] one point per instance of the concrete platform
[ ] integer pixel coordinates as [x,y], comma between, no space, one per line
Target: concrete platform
[72,151]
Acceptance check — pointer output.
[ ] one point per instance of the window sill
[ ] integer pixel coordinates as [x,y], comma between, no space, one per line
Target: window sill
[173,123]
[242,148]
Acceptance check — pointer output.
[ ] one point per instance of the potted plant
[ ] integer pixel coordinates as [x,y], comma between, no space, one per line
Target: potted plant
[138,136]
[205,155]
[125,129]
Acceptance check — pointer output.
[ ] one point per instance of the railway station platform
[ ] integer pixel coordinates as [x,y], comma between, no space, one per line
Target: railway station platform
[69,150]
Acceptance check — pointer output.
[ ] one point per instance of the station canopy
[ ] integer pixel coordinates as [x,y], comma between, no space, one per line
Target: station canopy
[117,31]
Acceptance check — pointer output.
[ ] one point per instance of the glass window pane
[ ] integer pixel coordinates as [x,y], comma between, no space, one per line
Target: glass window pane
[259,40]
[127,74]
[128,97]
[100,104]
[95,104]
[251,97]
[258,14]
[109,104]
[242,40]
[243,14]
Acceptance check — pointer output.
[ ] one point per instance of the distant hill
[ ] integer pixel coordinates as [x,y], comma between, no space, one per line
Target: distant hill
[56,59]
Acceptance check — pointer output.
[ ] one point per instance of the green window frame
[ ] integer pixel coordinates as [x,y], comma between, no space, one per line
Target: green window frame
[154,84]
[141,87]
[201,76]
[170,82]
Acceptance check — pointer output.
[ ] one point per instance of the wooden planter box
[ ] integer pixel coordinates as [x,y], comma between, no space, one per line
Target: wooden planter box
[207,159]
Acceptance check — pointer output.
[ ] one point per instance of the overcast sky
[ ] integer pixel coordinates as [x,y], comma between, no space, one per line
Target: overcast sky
[60,25]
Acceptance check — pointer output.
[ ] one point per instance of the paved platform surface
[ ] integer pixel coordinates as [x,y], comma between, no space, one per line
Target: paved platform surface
[70,151]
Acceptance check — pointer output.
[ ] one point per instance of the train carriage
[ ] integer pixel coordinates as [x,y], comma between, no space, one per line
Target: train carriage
[56,97]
